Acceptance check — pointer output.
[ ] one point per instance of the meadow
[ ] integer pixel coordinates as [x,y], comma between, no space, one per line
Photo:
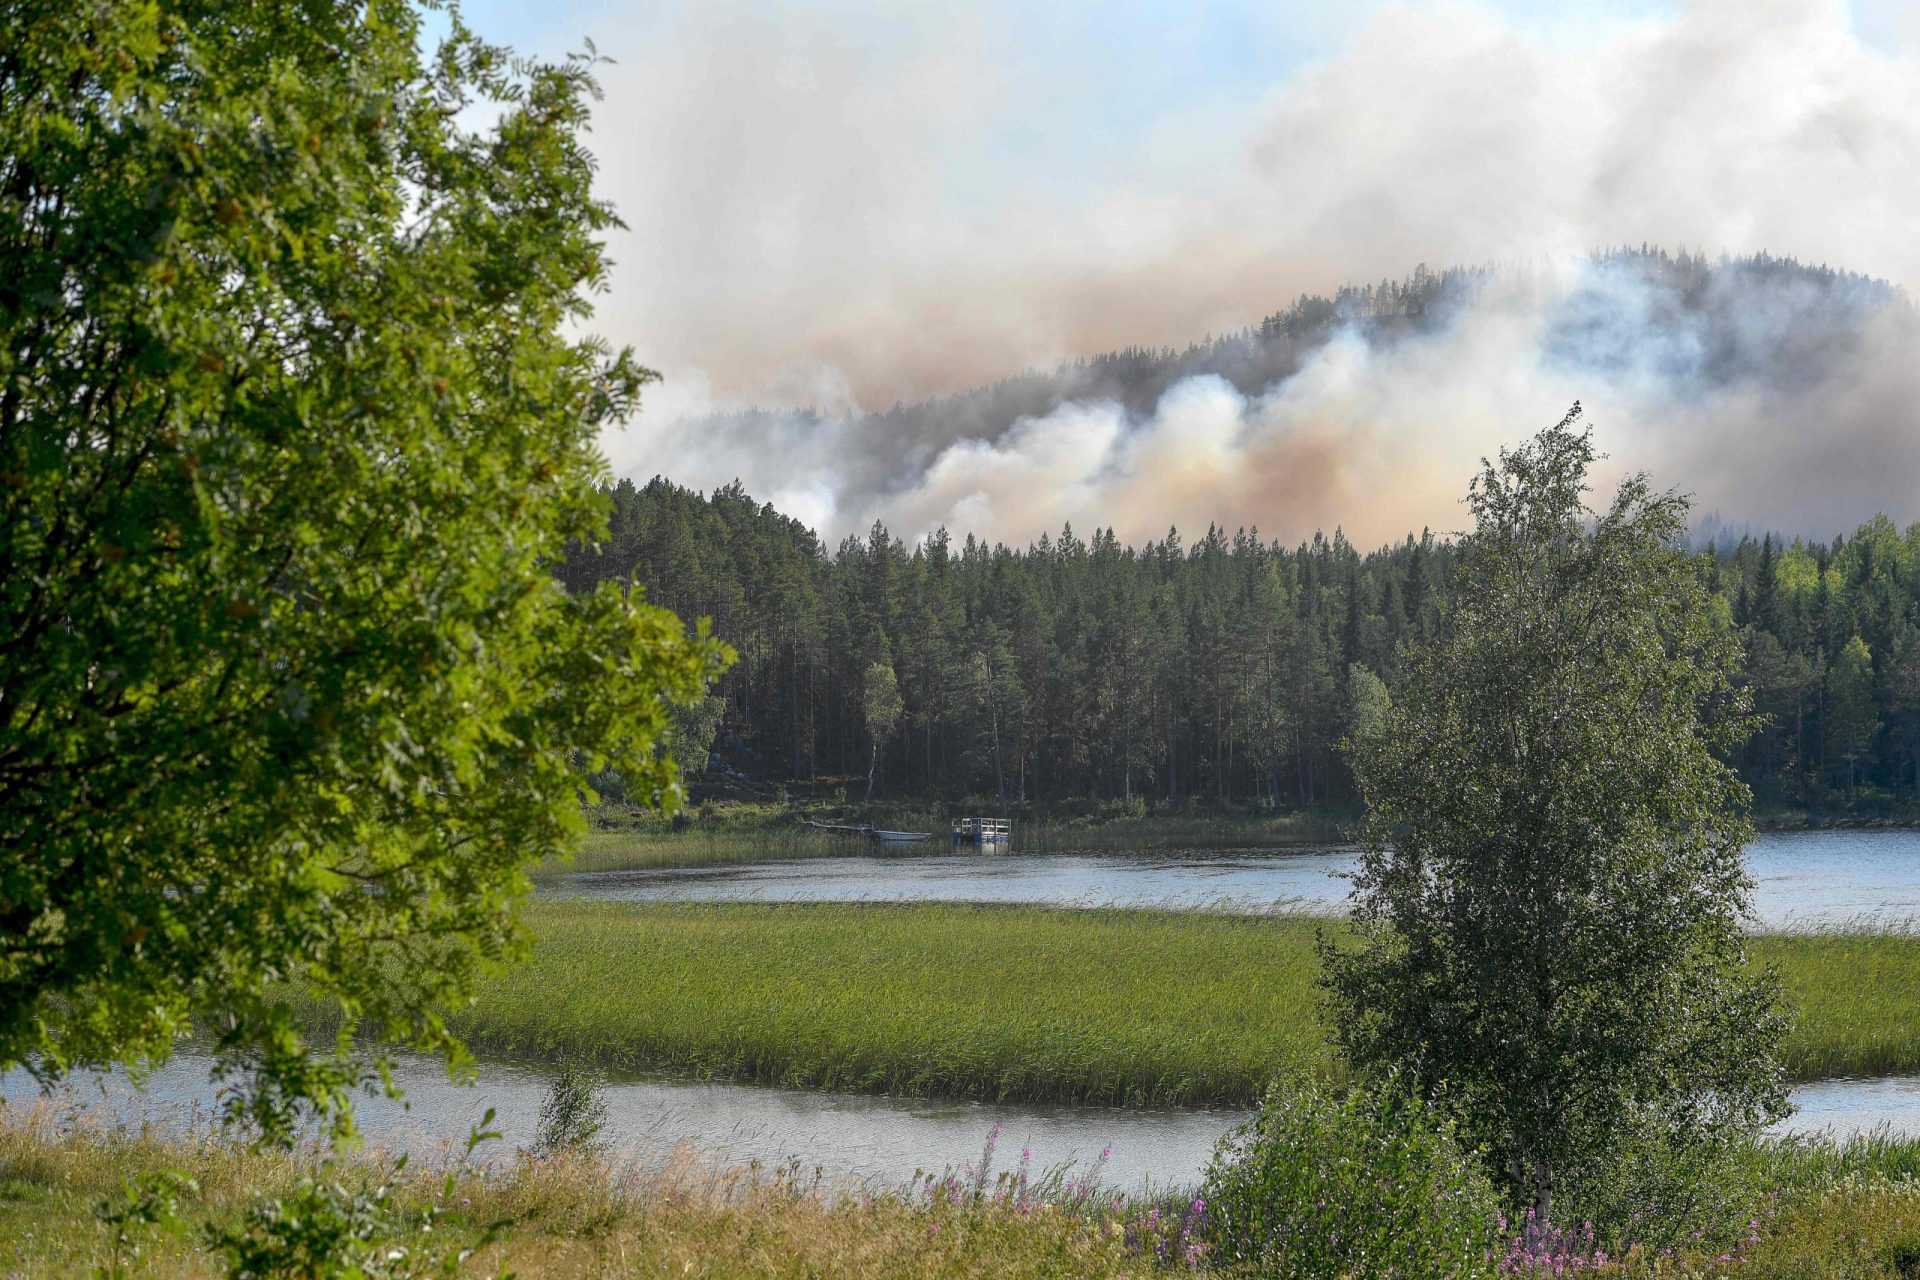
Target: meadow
[569,1217]
[92,1201]
[1100,1006]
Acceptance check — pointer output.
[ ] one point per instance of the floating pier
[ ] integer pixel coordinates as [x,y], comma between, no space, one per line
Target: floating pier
[982,831]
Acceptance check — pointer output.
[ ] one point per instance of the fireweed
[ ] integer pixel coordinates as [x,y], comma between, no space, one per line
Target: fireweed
[1170,1232]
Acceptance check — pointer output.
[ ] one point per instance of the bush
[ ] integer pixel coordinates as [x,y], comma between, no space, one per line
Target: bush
[1372,1184]
[571,1117]
[1658,1195]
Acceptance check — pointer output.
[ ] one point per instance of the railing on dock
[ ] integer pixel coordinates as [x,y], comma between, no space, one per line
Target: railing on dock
[982,830]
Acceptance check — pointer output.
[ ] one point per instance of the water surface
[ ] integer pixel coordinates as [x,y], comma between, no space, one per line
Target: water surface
[849,1137]
[1804,879]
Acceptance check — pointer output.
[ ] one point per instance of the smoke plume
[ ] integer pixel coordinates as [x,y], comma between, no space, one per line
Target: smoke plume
[804,238]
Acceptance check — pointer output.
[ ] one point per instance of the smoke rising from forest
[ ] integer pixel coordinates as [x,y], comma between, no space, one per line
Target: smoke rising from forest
[809,255]
[1778,396]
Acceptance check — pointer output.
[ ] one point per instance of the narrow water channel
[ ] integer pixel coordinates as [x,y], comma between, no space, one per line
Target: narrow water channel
[1803,879]
[850,1137]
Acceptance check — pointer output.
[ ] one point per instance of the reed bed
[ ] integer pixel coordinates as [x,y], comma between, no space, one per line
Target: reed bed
[1121,1007]
[1857,997]
[697,845]
[1125,1007]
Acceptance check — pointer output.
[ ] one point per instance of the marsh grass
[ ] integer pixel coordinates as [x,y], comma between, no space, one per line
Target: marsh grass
[646,849]
[1103,1006]
[1857,996]
[1129,1007]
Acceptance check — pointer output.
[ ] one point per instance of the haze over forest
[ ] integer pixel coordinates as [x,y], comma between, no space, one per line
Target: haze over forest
[833,211]
[1782,394]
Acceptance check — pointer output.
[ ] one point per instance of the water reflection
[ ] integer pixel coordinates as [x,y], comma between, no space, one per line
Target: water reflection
[1804,879]
[881,1141]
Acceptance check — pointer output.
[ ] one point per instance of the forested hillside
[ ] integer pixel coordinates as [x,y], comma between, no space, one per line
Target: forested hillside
[1231,667]
[1766,330]
[1224,667]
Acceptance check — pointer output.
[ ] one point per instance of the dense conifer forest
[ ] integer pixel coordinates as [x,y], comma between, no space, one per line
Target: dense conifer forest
[1227,667]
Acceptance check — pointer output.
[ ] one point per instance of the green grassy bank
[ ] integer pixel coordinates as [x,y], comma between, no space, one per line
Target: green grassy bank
[1127,1007]
[626,839]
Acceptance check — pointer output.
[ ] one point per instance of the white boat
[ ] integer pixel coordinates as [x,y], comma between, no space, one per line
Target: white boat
[900,837]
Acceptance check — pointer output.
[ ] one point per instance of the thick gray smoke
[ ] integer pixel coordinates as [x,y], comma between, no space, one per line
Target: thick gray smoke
[1777,395]
[807,232]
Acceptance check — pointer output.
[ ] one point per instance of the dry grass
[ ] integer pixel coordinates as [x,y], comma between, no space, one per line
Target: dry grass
[570,1219]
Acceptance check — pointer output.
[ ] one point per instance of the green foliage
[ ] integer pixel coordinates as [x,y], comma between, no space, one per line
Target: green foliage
[695,722]
[334,1226]
[1549,901]
[1368,703]
[290,436]
[148,1202]
[1371,1184]
[880,707]
[572,1116]
[1169,670]
[1852,720]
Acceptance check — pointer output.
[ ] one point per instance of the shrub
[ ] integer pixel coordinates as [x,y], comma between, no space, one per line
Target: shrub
[1371,1184]
[571,1116]
[1658,1195]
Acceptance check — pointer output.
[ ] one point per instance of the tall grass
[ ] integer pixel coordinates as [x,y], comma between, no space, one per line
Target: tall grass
[569,1217]
[1102,1006]
[1857,996]
[648,849]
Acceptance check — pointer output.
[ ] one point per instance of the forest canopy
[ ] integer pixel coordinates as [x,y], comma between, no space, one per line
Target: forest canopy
[1229,667]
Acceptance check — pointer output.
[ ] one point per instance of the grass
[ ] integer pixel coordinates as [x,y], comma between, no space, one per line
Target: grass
[1841,1211]
[1121,1007]
[1092,1006]
[570,1218]
[696,845]
[1858,999]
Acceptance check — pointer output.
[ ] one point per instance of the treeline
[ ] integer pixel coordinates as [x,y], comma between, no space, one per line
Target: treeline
[1229,668]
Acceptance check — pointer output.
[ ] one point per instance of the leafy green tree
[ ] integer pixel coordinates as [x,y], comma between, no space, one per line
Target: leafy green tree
[1852,720]
[881,707]
[1368,703]
[1548,906]
[695,724]
[291,433]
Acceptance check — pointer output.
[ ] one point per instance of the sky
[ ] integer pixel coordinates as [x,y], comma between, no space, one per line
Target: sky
[837,206]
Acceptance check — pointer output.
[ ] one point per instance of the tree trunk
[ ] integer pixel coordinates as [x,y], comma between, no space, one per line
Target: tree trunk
[873,762]
[1541,1227]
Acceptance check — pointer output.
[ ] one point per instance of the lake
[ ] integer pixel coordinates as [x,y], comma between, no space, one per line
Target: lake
[850,1137]
[1803,879]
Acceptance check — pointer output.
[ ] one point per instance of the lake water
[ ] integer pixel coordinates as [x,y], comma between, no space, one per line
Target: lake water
[850,1137]
[1804,879]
